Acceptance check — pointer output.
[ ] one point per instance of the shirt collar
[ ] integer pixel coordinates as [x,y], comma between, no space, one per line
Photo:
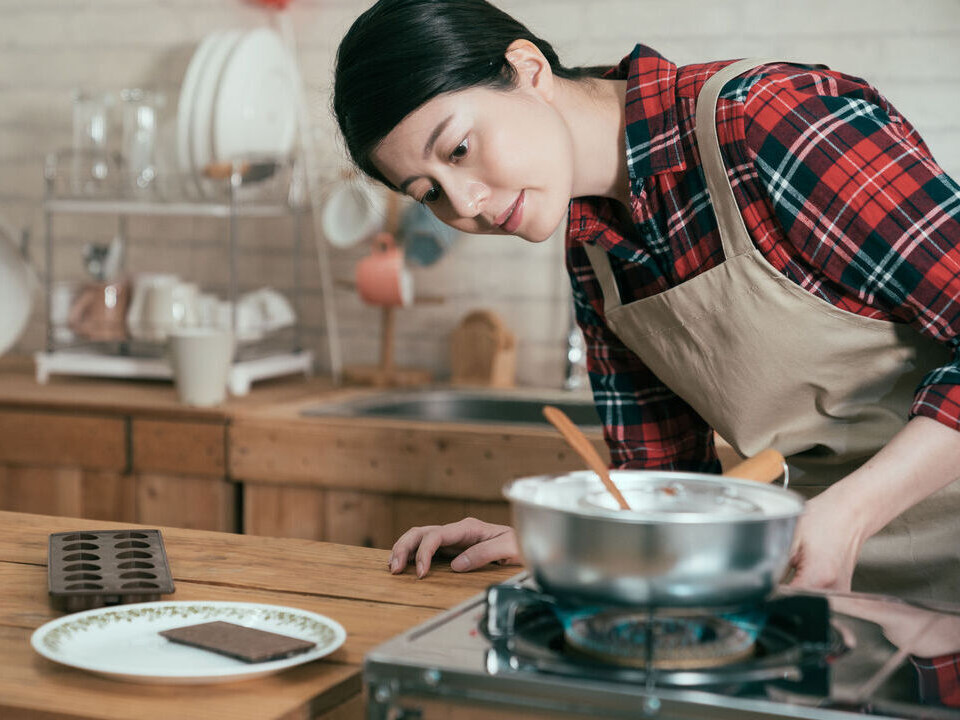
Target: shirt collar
[652,133]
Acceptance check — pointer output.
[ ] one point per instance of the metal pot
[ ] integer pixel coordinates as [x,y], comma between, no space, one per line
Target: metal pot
[691,539]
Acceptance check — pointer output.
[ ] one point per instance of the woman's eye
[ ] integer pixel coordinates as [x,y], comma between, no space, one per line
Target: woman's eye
[431,195]
[460,151]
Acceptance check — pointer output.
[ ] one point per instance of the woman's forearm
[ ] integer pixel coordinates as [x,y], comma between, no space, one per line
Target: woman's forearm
[919,460]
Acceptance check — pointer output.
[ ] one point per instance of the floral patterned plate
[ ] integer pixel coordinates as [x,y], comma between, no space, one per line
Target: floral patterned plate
[121,642]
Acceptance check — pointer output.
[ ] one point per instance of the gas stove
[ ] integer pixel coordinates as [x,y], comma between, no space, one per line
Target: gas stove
[516,652]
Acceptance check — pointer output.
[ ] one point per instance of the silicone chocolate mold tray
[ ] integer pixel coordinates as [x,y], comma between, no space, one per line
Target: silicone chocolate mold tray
[89,569]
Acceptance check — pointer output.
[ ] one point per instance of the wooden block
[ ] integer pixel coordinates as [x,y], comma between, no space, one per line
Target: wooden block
[179,447]
[96,442]
[187,502]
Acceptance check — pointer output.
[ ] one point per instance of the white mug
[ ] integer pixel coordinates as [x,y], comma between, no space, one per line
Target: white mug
[201,359]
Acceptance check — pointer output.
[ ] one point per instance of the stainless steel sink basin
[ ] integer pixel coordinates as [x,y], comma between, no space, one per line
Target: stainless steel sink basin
[461,406]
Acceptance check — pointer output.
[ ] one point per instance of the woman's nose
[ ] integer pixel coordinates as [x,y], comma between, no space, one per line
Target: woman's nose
[468,201]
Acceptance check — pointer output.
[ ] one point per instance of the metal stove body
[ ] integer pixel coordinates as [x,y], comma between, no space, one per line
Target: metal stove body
[506,654]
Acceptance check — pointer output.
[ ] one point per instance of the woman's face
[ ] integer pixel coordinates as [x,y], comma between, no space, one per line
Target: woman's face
[485,161]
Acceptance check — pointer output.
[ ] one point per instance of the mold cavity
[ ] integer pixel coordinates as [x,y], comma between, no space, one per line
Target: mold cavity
[139,584]
[129,534]
[81,546]
[81,566]
[84,586]
[135,564]
[83,576]
[132,543]
[81,556]
[73,537]
[133,554]
[138,574]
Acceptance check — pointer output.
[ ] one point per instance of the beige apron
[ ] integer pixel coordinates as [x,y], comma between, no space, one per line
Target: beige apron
[768,364]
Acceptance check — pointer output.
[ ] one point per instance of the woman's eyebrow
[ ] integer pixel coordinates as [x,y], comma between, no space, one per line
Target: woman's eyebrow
[431,141]
[428,148]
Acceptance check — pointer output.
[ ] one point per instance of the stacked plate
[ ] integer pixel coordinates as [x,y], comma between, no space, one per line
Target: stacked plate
[239,99]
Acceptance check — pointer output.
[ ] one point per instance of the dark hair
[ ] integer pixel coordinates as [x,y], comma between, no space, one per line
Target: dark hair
[400,54]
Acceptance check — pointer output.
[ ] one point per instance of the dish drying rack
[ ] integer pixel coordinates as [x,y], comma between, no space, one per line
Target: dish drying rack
[143,360]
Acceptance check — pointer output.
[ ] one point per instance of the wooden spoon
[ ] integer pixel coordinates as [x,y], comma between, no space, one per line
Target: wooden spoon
[579,442]
[766,466]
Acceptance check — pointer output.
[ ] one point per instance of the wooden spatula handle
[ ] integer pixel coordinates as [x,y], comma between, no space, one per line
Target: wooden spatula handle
[584,448]
[766,466]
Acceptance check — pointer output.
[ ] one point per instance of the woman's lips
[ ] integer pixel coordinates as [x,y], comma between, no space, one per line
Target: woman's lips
[514,215]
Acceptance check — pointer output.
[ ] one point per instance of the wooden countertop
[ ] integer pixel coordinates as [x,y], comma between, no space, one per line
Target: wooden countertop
[346,583]
[19,388]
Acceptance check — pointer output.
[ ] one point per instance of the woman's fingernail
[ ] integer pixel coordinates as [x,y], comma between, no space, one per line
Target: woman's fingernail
[419,569]
[460,563]
[393,564]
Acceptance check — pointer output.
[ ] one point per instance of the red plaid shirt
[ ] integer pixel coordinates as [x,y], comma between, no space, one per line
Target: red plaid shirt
[838,191]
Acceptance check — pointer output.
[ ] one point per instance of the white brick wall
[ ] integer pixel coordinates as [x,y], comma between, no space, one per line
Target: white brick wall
[50,47]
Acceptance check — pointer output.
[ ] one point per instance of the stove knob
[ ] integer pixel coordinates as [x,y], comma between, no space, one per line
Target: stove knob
[651,705]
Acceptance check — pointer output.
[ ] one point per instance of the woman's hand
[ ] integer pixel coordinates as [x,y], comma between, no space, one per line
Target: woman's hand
[474,543]
[826,546]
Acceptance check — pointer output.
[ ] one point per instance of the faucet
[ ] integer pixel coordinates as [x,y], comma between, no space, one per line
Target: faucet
[575,371]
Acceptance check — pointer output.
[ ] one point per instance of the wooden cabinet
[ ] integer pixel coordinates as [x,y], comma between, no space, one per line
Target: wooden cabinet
[118,467]
[364,481]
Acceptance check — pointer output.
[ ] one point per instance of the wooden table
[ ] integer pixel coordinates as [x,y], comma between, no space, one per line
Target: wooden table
[346,583]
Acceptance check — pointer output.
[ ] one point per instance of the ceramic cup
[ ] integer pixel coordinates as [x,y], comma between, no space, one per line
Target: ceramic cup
[424,238]
[201,359]
[353,211]
[162,303]
[382,279]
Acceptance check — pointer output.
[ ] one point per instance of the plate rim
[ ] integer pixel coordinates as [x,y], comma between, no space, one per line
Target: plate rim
[188,89]
[219,114]
[241,672]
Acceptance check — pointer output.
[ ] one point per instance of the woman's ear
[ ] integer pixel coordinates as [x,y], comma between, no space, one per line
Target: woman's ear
[532,68]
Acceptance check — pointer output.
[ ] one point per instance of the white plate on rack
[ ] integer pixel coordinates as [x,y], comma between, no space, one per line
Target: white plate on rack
[188,90]
[122,642]
[201,120]
[257,100]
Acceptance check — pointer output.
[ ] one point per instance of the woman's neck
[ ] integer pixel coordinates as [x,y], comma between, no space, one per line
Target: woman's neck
[594,112]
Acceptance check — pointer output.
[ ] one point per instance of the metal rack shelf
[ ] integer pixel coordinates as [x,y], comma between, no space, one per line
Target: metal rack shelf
[117,359]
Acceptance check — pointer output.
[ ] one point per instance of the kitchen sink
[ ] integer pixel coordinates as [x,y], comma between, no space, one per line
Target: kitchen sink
[519,407]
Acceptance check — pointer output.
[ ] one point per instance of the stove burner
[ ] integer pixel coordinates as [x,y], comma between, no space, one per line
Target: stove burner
[636,639]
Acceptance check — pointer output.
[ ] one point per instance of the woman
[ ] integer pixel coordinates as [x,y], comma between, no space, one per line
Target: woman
[779,264]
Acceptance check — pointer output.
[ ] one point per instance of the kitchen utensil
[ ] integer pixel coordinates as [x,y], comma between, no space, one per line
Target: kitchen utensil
[483,351]
[693,539]
[99,312]
[250,170]
[255,110]
[17,285]
[91,568]
[579,442]
[122,642]
[200,359]
[161,303]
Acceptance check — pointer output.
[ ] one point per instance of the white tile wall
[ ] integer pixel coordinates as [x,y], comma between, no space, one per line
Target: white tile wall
[50,47]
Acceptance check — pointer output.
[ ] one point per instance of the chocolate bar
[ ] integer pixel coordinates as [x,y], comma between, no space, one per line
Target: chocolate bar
[236,641]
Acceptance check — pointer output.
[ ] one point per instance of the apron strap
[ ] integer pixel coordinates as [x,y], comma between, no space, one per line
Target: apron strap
[733,231]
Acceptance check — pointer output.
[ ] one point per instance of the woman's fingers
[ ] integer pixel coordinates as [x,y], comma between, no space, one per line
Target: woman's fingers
[500,548]
[422,543]
[463,533]
[405,545]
